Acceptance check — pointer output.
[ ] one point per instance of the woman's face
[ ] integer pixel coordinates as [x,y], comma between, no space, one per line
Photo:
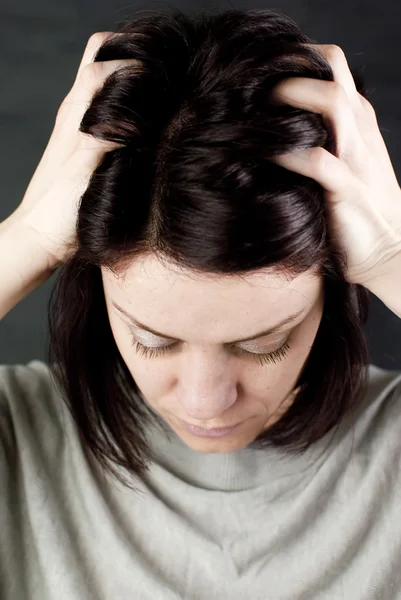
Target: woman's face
[204,376]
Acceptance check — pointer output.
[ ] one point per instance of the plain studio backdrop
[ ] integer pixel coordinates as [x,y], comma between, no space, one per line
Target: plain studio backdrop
[42,44]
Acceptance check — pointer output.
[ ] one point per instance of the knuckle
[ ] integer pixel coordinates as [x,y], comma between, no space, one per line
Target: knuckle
[91,73]
[95,41]
[334,53]
[63,109]
[97,38]
[368,107]
[337,95]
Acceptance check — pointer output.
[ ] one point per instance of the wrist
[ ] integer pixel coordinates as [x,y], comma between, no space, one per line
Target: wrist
[23,239]
[385,283]
[31,239]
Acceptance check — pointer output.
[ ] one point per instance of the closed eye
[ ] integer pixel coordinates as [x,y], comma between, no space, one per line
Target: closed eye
[269,357]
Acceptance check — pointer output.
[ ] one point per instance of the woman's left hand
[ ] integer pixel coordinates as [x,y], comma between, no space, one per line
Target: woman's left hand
[361,188]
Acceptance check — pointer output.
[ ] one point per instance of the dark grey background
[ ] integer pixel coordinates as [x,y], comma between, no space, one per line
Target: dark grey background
[42,44]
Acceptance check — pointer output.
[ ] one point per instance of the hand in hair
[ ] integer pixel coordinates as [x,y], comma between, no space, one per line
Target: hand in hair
[50,204]
[362,192]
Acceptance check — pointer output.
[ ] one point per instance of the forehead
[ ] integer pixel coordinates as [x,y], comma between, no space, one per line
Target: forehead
[163,295]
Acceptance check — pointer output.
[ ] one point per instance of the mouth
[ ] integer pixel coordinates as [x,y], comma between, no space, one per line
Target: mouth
[212,433]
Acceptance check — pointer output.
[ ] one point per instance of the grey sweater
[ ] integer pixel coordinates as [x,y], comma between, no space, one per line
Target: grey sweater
[250,524]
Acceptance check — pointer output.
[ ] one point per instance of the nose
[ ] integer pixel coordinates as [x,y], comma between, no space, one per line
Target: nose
[207,386]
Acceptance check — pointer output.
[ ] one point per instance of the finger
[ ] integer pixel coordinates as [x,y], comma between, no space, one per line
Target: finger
[95,41]
[366,119]
[335,56]
[93,77]
[329,99]
[315,95]
[90,79]
[92,47]
[319,164]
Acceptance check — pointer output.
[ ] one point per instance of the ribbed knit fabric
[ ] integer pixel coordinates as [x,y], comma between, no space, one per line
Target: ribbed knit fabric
[251,524]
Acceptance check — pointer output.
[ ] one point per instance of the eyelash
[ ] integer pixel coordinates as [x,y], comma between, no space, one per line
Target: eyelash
[275,356]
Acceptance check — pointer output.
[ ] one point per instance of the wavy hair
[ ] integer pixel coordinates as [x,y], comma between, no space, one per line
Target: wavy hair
[193,185]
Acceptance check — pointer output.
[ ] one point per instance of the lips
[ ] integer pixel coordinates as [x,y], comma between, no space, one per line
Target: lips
[212,428]
[198,431]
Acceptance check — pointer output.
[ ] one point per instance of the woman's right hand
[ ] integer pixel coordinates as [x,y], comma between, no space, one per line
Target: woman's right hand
[51,201]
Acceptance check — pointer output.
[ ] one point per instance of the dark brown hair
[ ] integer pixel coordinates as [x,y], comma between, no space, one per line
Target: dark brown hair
[194,185]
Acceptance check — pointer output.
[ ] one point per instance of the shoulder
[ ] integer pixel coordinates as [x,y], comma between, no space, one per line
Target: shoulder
[378,419]
[384,389]
[383,381]
[32,413]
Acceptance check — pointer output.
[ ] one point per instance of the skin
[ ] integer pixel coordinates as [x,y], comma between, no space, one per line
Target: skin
[202,380]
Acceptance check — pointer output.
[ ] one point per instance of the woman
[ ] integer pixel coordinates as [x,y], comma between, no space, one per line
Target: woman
[221,202]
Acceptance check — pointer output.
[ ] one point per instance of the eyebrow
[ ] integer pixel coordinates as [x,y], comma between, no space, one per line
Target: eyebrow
[269,331]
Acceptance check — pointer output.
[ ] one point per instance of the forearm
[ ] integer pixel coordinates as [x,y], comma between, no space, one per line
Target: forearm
[387,284]
[24,265]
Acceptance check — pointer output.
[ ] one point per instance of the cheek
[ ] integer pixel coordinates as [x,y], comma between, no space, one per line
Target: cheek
[279,392]
[275,381]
